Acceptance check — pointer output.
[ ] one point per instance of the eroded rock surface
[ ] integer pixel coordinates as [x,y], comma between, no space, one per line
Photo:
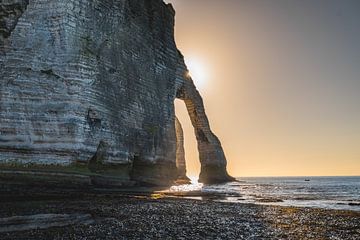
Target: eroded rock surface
[10,12]
[91,84]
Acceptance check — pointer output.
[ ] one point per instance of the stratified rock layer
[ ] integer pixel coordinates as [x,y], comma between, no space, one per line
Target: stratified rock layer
[91,85]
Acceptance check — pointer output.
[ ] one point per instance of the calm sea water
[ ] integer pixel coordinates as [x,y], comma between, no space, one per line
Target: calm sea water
[320,192]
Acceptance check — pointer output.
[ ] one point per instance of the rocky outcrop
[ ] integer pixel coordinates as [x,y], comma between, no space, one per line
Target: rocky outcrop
[42,221]
[89,86]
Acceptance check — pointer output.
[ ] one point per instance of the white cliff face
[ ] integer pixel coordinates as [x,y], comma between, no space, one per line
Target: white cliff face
[93,83]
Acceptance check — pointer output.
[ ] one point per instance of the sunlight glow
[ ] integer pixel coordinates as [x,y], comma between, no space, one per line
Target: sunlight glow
[198,71]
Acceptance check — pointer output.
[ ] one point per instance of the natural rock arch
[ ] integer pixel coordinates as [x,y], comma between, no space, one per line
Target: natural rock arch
[211,154]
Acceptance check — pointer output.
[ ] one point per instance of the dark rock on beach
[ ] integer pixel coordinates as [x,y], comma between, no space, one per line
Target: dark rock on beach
[269,200]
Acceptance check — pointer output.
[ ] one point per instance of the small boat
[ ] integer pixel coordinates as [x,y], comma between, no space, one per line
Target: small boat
[307,180]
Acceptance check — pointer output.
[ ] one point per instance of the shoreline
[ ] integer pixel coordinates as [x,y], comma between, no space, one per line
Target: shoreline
[146,215]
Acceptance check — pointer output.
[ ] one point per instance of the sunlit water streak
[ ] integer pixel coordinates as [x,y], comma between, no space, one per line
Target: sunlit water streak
[320,192]
[194,186]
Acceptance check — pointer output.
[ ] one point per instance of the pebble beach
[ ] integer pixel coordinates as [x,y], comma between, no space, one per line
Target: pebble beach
[157,216]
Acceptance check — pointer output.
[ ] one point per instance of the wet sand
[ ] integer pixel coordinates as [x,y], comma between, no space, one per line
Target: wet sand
[109,215]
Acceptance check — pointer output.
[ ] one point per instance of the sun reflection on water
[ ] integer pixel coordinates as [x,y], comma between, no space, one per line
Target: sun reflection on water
[193,186]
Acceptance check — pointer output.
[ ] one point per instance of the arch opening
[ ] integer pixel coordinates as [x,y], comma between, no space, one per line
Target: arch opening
[211,155]
[187,156]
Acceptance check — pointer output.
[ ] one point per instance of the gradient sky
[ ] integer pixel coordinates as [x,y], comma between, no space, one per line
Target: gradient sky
[282,90]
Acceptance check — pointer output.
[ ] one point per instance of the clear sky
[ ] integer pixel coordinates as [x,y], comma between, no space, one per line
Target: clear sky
[280,81]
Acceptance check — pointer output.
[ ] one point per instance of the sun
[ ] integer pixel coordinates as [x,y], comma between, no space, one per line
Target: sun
[198,71]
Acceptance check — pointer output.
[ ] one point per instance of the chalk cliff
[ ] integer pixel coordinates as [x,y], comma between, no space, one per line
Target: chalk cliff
[87,89]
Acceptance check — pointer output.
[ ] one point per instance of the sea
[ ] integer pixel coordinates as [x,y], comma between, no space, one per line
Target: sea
[342,193]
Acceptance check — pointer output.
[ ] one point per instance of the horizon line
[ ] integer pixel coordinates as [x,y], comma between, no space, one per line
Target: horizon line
[284,176]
